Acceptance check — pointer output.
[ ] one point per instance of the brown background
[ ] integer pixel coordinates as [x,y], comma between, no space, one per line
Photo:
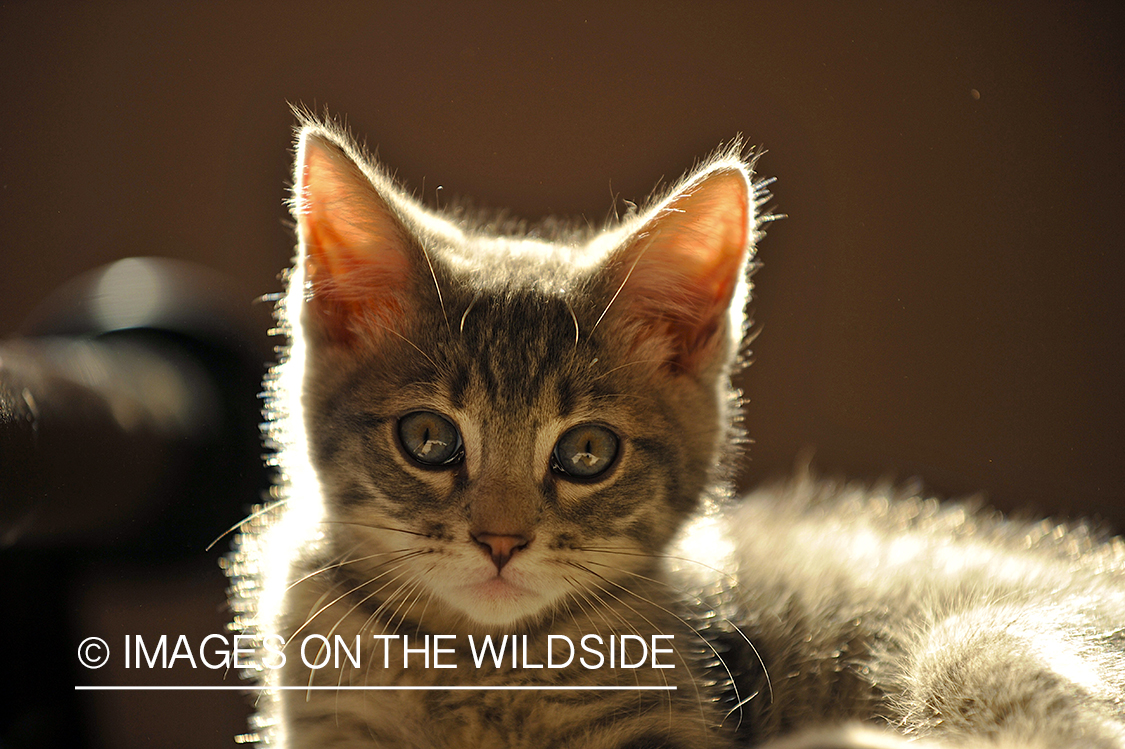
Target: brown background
[943,300]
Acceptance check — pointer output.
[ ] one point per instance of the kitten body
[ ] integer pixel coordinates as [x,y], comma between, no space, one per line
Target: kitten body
[943,622]
[489,435]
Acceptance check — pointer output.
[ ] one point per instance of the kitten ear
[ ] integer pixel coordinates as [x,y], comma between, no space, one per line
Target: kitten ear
[355,251]
[679,278]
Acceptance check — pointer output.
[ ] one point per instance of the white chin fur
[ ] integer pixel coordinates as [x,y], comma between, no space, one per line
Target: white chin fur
[497,609]
[497,600]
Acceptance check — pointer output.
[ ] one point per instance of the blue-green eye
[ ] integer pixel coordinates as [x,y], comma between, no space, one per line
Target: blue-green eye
[430,438]
[585,451]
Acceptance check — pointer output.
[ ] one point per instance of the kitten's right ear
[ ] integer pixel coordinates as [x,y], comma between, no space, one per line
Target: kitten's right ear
[355,251]
[677,286]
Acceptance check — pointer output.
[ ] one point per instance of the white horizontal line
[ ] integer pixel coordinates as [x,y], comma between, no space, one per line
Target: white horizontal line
[367,689]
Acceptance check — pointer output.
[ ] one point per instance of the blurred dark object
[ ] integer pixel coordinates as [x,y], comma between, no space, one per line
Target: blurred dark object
[128,413]
[128,434]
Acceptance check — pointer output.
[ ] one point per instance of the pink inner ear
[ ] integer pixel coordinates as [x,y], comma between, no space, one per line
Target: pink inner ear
[683,266]
[351,242]
[715,222]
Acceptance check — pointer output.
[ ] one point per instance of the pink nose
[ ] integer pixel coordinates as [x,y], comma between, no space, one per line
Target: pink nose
[500,546]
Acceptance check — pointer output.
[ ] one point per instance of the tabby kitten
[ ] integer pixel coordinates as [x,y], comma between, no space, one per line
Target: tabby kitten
[524,438]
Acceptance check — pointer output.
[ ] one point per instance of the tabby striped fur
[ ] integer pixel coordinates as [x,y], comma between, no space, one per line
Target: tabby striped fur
[806,615]
[516,339]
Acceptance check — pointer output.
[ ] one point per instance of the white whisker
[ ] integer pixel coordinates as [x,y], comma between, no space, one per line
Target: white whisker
[624,281]
[437,287]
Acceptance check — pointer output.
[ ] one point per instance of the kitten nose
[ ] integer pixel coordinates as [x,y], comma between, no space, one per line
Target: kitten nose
[501,546]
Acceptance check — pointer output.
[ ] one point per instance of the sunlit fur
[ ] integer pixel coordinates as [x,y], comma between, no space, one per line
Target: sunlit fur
[516,338]
[811,613]
[942,622]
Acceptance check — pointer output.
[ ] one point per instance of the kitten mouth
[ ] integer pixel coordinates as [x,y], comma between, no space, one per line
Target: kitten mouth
[500,586]
[501,602]
[497,599]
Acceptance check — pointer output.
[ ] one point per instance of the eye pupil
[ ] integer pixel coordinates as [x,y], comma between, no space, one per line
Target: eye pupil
[430,439]
[585,452]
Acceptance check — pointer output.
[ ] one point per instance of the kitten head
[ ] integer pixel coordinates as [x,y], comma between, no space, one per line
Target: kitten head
[499,423]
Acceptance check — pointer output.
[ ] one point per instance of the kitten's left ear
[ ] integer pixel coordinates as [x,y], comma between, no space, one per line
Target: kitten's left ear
[680,276]
[359,260]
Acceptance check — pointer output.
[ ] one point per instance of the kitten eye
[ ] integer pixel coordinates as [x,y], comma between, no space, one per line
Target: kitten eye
[430,438]
[585,451]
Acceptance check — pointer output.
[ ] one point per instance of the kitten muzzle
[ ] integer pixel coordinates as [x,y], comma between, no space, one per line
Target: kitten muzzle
[501,547]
